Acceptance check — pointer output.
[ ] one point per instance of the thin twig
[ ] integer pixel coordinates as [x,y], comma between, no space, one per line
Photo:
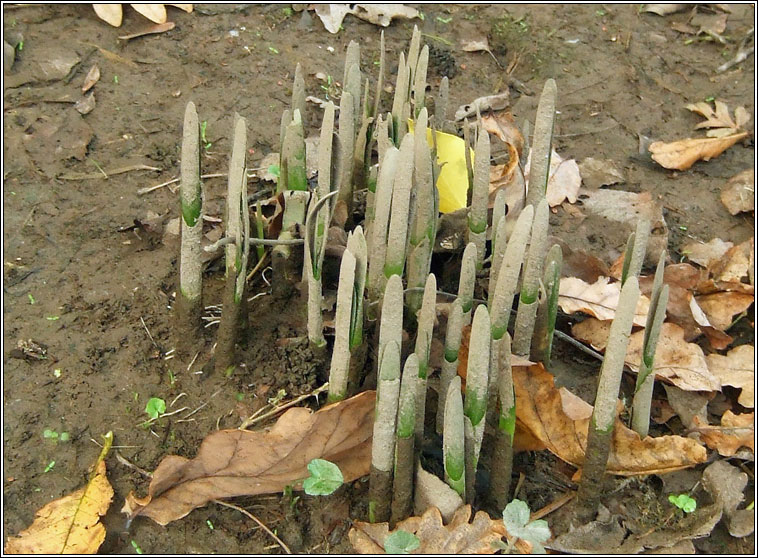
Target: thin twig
[550,508]
[253,419]
[203,405]
[157,348]
[149,189]
[125,462]
[258,521]
[254,242]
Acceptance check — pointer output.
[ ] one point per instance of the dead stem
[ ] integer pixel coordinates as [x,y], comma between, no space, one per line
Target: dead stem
[551,507]
[258,521]
[253,418]
[126,463]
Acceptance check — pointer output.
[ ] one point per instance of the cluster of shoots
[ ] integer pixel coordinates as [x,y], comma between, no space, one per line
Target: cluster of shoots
[385,277]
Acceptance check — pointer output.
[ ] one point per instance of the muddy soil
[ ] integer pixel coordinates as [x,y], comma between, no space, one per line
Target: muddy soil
[89,278]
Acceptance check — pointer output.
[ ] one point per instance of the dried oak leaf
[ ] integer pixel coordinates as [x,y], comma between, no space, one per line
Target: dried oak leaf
[721,307]
[598,299]
[735,265]
[738,194]
[68,525]
[719,121]
[238,462]
[539,409]
[457,537]
[682,154]
[736,369]
[678,362]
[735,432]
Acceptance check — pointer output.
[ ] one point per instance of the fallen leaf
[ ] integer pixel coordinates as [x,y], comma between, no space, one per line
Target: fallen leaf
[457,537]
[152,30]
[710,23]
[719,120]
[736,431]
[598,299]
[476,45]
[738,195]
[600,172]
[238,462]
[678,362]
[578,263]
[735,265]
[682,154]
[154,12]
[688,404]
[503,125]
[71,524]
[737,369]
[563,181]
[664,9]
[622,210]
[92,76]
[720,308]
[430,491]
[706,253]
[726,484]
[539,410]
[109,13]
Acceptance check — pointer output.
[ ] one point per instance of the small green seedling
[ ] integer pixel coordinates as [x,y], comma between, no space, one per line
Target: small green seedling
[209,524]
[136,547]
[206,144]
[155,406]
[49,466]
[684,502]
[53,435]
[401,542]
[52,318]
[273,50]
[57,372]
[516,520]
[115,80]
[444,20]
[239,396]
[31,298]
[325,478]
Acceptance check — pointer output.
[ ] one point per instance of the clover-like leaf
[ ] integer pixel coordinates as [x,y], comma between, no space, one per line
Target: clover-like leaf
[516,520]
[325,478]
[401,542]
[155,406]
[684,502]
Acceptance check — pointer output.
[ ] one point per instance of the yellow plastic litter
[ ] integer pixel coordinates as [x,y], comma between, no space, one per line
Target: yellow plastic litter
[452,183]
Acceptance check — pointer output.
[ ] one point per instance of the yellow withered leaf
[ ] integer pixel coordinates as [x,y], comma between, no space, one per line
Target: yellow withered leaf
[452,183]
[682,154]
[71,524]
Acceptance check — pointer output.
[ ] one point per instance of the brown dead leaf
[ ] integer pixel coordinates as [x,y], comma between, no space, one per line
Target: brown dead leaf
[678,362]
[735,265]
[706,253]
[503,125]
[564,179]
[736,369]
[735,432]
[738,194]
[600,172]
[92,76]
[721,307]
[71,524]
[682,154]
[238,462]
[539,409]
[578,263]
[599,299]
[457,537]
[476,45]
[152,30]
